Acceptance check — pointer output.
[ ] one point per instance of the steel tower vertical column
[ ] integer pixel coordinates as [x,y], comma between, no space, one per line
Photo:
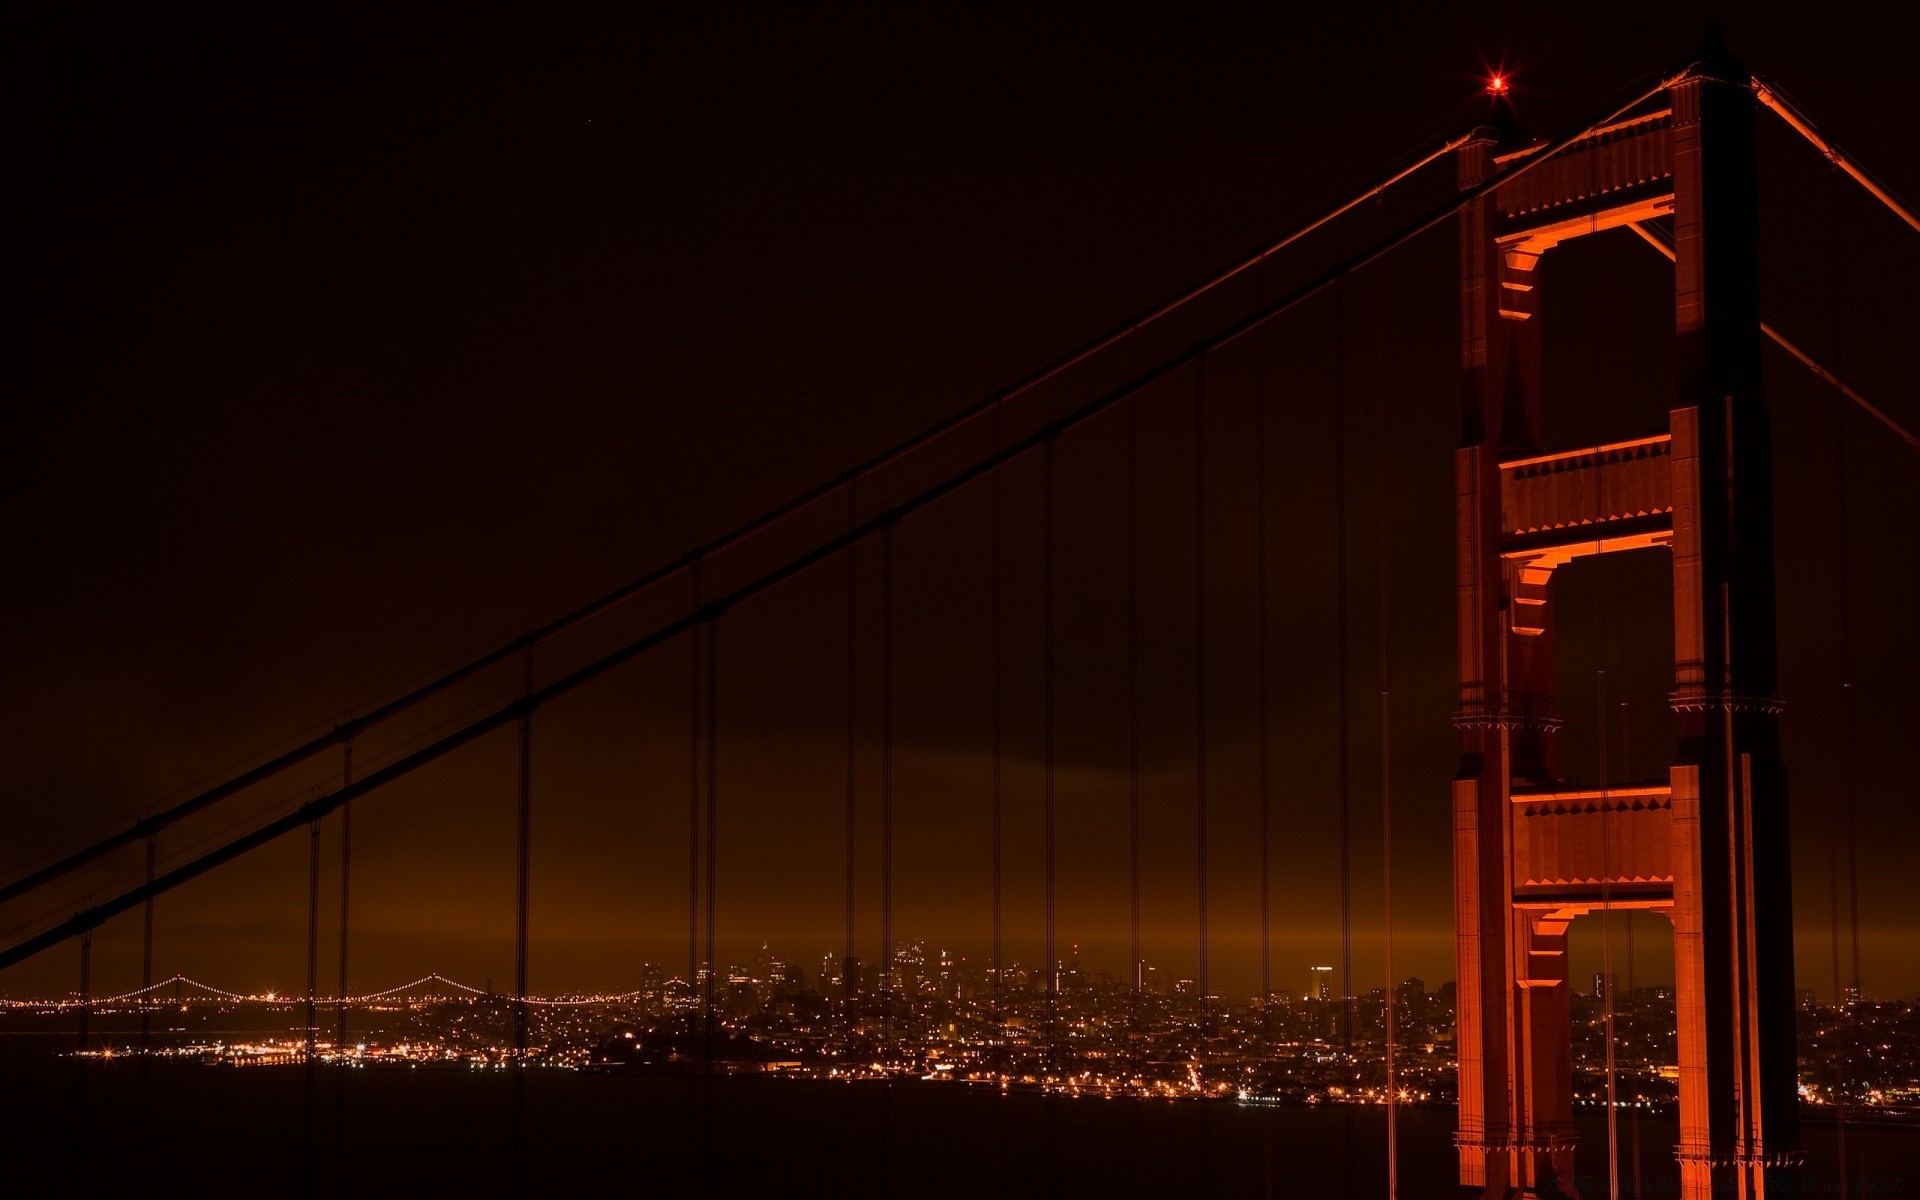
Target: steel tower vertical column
[1507,1139]
[1733,921]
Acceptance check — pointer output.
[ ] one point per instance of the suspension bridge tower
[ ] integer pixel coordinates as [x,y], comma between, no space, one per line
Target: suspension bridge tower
[1707,847]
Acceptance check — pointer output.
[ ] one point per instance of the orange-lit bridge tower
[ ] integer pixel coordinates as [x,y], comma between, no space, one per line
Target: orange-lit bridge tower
[1709,848]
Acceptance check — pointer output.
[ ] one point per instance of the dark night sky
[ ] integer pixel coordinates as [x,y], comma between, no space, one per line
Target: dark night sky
[338,349]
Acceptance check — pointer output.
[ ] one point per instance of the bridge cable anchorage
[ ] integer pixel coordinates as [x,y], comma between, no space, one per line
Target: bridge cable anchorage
[1770,97]
[990,404]
[1653,237]
[92,915]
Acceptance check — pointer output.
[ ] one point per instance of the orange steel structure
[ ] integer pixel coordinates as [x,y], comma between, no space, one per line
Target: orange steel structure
[1708,847]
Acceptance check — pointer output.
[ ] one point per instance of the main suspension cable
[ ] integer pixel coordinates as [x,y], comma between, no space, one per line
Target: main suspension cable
[1770,96]
[91,915]
[1654,238]
[991,403]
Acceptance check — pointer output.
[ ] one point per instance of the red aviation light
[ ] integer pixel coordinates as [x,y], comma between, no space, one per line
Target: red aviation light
[1497,86]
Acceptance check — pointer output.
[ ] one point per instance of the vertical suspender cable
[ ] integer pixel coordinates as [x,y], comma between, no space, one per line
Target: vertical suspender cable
[889,981]
[1633,1113]
[1203,978]
[1340,712]
[1263,785]
[997,718]
[996,706]
[146,959]
[1606,851]
[86,991]
[311,1061]
[1134,968]
[710,1156]
[1047,717]
[1262,736]
[1600,643]
[712,821]
[313,939]
[1047,704]
[849,982]
[346,877]
[1843,626]
[693,824]
[1386,747]
[524,874]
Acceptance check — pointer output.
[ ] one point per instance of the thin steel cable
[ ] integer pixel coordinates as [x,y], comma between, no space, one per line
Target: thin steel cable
[1601,644]
[1841,586]
[1134,966]
[1626,771]
[888,980]
[1136,1050]
[86,989]
[313,938]
[146,960]
[1262,687]
[848,982]
[1047,722]
[708,1123]
[1203,979]
[1659,241]
[1047,735]
[712,821]
[523,876]
[1385,679]
[346,881]
[693,824]
[1343,738]
[997,703]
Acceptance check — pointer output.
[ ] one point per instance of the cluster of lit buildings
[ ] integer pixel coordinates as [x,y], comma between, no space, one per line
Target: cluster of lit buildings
[935,1016]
